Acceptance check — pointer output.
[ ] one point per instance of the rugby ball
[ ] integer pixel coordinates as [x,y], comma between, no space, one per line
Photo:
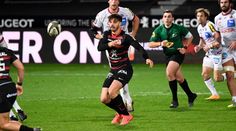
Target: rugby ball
[54,28]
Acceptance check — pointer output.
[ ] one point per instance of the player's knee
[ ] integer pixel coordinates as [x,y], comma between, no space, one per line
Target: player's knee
[218,78]
[170,76]
[205,76]
[104,100]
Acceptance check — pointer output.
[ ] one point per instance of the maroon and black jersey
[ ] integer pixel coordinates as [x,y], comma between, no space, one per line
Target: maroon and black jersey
[118,56]
[6,58]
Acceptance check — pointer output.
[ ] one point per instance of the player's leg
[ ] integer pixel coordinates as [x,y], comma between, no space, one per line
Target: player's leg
[117,100]
[171,69]
[5,107]
[229,69]
[6,124]
[19,111]
[13,116]
[206,71]
[124,92]
[184,84]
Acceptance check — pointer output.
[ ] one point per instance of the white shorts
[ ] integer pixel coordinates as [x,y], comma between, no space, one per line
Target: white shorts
[226,55]
[213,61]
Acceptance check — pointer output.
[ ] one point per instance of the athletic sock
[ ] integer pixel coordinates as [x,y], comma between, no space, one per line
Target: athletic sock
[124,92]
[119,105]
[234,99]
[173,88]
[25,128]
[16,106]
[12,114]
[186,88]
[210,85]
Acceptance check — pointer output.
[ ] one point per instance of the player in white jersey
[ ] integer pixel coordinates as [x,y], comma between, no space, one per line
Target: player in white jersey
[226,24]
[209,38]
[16,106]
[101,21]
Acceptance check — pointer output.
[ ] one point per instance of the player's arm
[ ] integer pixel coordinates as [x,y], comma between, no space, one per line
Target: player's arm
[137,46]
[105,44]
[20,75]
[95,30]
[200,45]
[135,26]
[155,41]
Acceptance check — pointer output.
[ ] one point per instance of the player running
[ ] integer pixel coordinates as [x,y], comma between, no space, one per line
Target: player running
[209,41]
[117,43]
[226,24]
[22,116]
[101,21]
[9,90]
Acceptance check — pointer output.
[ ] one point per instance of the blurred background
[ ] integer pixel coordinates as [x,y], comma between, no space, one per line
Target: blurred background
[23,24]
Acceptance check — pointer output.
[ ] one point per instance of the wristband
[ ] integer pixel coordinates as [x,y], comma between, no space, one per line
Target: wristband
[19,83]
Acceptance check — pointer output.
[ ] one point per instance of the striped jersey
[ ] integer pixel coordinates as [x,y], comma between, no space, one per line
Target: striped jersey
[6,58]
[101,20]
[118,56]
[207,34]
[226,24]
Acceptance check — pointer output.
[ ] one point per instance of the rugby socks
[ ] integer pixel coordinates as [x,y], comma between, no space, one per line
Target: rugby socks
[173,88]
[16,106]
[12,114]
[118,105]
[210,85]
[25,128]
[186,88]
[124,92]
[234,99]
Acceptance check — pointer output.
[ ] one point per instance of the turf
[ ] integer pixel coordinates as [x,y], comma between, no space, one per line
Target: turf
[66,98]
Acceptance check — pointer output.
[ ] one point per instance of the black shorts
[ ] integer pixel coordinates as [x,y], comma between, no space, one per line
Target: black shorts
[7,96]
[123,75]
[178,57]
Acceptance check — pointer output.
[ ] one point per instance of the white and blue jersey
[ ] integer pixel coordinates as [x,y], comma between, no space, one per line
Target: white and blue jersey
[213,58]
[101,20]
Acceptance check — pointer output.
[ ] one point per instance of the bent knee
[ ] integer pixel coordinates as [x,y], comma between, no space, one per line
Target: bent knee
[104,100]
[218,78]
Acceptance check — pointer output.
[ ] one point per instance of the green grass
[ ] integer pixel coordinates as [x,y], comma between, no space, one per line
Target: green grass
[66,98]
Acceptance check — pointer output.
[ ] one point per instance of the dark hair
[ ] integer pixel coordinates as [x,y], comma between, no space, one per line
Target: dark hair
[115,16]
[168,11]
[230,1]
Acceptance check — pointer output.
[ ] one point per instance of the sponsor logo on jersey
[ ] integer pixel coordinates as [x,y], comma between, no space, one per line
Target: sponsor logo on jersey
[11,95]
[208,35]
[231,23]
[124,21]
[122,72]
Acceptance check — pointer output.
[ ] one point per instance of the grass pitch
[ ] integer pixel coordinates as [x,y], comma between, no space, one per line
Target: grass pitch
[66,98]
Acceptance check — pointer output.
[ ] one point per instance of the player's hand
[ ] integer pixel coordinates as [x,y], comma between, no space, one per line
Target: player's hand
[98,36]
[197,48]
[232,45]
[206,48]
[182,50]
[19,90]
[116,43]
[149,62]
[216,44]
[167,44]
